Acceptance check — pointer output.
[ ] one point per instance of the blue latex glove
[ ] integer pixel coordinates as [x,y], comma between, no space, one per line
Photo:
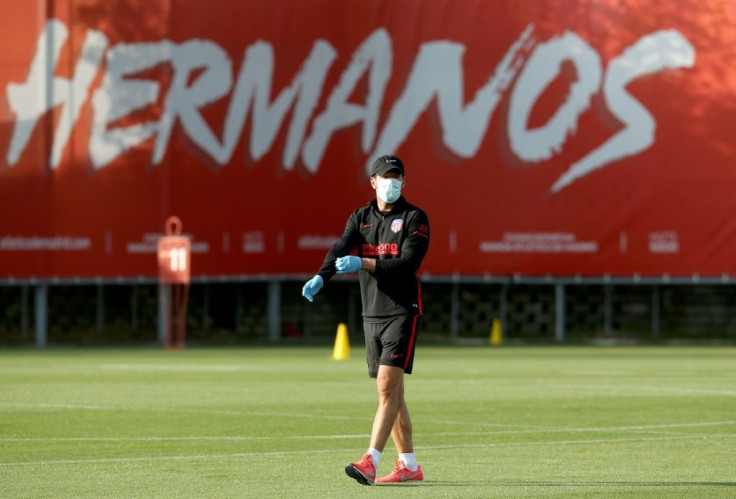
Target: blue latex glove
[348,264]
[312,287]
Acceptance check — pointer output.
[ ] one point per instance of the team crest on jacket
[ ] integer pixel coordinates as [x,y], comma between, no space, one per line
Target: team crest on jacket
[397,225]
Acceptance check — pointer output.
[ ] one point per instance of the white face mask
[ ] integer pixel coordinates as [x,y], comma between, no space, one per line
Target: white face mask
[388,189]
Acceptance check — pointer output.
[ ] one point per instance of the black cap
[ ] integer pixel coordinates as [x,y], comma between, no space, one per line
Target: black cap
[386,164]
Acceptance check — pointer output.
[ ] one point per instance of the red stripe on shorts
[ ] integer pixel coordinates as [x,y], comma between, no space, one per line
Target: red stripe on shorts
[411,341]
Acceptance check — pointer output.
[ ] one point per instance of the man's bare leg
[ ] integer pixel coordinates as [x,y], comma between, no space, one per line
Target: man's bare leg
[401,432]
[390,387]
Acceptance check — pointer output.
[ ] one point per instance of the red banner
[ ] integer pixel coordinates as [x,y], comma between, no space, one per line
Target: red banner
[577,137]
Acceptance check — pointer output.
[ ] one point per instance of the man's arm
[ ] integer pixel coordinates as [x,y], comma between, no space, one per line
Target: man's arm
[342,247]
[369,264]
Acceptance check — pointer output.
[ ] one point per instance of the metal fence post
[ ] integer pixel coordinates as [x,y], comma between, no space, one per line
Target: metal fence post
[455,310]
[100,315]
[607,308]
[134,309]
[655,312]
[503,309]
[239,311]
[205,307]
[274,310]
[164,313]
[559,312]
[41,309]
[24,313]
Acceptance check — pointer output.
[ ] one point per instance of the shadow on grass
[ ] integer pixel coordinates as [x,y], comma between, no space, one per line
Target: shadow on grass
[565,484]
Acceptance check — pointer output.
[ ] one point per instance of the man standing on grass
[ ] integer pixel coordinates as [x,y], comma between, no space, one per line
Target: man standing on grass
[391,237]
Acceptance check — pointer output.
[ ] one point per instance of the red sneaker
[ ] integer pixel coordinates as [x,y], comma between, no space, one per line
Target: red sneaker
[401,473]
[363,471]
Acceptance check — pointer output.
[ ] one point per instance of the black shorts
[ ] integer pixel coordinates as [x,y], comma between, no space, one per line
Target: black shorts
[390,341]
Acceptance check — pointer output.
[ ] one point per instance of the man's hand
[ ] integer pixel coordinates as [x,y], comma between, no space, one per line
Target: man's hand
[348,264]
[312,287]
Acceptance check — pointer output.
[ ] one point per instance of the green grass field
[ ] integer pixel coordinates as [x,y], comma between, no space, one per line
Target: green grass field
[283,422]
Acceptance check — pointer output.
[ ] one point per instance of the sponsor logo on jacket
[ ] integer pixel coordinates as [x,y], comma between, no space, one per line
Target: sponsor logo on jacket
[380,249]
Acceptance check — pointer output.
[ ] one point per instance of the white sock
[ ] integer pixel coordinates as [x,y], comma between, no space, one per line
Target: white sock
[409,461]
[375,456]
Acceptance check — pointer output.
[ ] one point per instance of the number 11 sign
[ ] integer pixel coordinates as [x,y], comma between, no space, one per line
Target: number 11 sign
[174,270]
[174,254]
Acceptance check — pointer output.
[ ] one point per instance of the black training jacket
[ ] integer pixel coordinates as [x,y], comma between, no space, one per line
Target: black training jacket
[398,240]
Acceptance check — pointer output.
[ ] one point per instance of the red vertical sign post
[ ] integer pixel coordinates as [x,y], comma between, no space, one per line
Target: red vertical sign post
[174,267]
